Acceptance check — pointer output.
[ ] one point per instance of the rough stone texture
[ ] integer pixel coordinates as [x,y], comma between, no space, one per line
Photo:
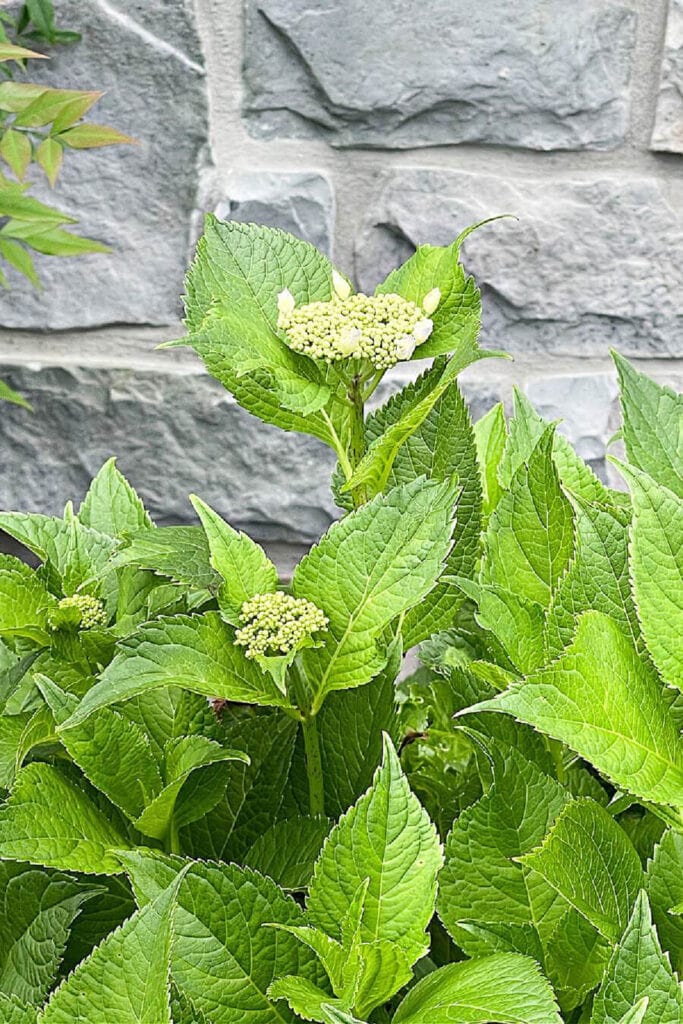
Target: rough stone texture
[667,134]
[550,75]
[174,435]
[299,202]
[589,264]
[145,55]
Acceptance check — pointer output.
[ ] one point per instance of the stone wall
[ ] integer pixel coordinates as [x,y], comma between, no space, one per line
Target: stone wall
[366,126]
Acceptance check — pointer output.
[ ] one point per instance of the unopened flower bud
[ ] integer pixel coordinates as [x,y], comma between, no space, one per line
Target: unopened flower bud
[431,301]
[275,624]
[341,286]
[285,302]
[349,339]
[422,330]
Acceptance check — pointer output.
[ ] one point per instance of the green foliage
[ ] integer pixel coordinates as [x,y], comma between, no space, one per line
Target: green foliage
[195,833]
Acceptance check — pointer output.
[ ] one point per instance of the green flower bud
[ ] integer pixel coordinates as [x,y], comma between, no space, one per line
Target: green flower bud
[79,611]
[275,624]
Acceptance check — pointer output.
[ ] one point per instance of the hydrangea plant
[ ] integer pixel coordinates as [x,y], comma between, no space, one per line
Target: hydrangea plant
[224,803]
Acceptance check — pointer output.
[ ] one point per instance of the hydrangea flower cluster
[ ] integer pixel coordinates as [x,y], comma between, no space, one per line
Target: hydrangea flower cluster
[84,611]
[277,623]
[381,328]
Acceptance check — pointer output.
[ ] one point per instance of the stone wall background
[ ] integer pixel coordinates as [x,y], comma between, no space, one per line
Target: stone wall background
[367,126]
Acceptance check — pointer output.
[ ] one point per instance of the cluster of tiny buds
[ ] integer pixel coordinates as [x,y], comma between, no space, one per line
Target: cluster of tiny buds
[275,624]
[91,610]
[384,329]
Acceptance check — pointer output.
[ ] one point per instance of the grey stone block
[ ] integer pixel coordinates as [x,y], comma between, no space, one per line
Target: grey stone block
[137,199]
[591,263]
[392,73]
[174,433]
[667,133]
[299,202]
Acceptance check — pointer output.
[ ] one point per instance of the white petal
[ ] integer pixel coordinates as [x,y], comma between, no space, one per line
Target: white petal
[431,301]
[422,330]
[349,339]
[341,285]
[405,346]
[285,302]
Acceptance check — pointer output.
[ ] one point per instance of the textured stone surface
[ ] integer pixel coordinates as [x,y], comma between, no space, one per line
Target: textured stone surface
[589,263]
[299,202]
[138,199]
[552,75]
[667,133]
[173,434]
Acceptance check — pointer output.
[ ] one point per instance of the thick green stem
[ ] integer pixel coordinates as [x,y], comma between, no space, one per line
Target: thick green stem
[173,838]
[357,449]
[314,765]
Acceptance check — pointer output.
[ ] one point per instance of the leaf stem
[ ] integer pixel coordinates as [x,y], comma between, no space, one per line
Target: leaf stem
[338,446]
[357,446]
[314,765]
[173,838]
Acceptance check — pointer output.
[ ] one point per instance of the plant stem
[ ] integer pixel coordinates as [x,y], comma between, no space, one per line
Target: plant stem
[173,838]
[357,447]
[314,766]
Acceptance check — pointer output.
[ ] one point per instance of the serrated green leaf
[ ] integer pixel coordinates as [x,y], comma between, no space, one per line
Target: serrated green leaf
[113,753]
[636,970]
[111,506]
[304,998]
[195,652]
[50,820]
[653,426]
[490,434]
[241,562]
[37,909]
[126,979]
[529,538]
[24,602]
[388,838]
[183,756]
[505,987]
[223,958]
[598,578]
[288,850]
[378,562]
[482,882]
[664,884]
[179,552]
[657,567]
[457,318]
[98,917]
[253,796]
[241,268]
[15,1012]
[605,703]
[591,862]
[575,958]
[517,622]
[168,713]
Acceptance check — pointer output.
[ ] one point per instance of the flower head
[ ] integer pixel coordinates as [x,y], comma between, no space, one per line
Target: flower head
[381,328]
[276,624]
[80,611]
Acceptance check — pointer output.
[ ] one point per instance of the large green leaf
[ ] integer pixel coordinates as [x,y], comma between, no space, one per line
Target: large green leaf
[288,850]
[241,562]
[231,303]
[112,506]
[653,426]
[24,602]
[37,909]
[179,552]
[657,566]
[598,577]
[223,958]
[195,652]
[592,863]
[457,318]
[665,890]
[483,883]
[607,704]
[126,979]
[371,567]
[638,969]
[386,838]
[505,988]
[51,820]
[529,538]
[253,796]
[490,435]
[15,1012]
